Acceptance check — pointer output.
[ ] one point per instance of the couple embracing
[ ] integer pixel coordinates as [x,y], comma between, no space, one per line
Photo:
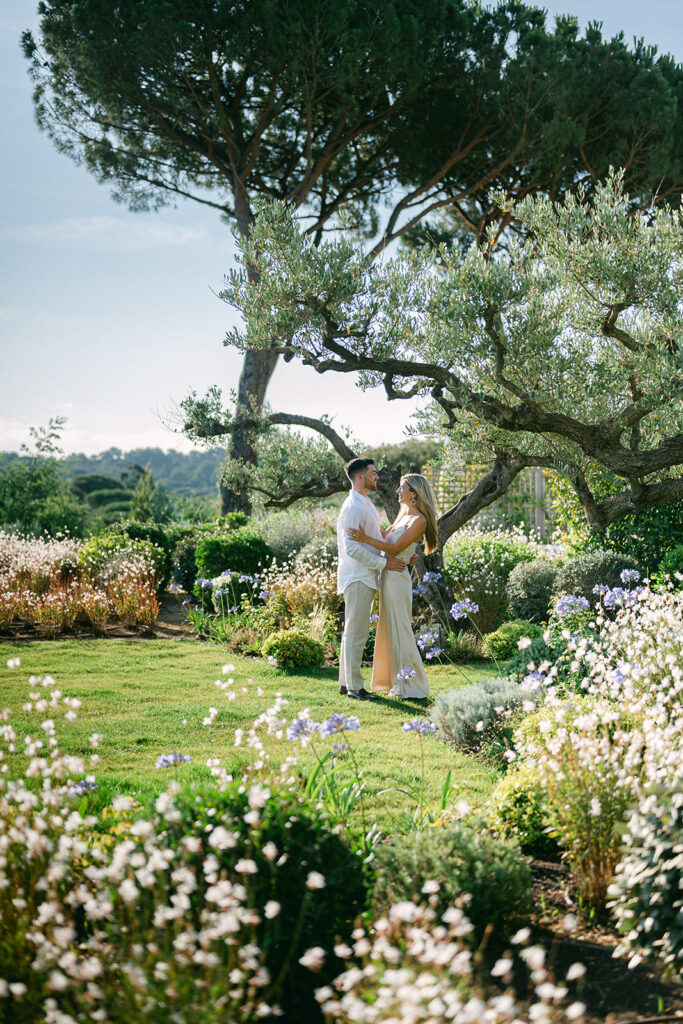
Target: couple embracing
[370,559]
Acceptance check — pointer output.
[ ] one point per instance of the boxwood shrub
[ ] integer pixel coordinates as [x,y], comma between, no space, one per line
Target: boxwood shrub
[293,648]
[530,588]
[463,860]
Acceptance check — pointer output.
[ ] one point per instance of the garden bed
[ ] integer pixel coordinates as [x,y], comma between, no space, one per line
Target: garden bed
[613,992]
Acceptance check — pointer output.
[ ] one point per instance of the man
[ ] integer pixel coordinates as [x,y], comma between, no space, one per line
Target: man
[358,573]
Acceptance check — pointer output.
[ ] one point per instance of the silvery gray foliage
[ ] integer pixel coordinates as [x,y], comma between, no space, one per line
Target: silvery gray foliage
[462,716]
[648,889]
[566,351]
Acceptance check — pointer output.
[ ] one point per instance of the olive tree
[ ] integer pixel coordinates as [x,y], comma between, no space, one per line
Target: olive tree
[387,112]
[565,351]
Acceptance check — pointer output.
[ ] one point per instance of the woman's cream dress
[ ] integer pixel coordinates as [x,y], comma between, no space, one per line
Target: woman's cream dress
[395,647]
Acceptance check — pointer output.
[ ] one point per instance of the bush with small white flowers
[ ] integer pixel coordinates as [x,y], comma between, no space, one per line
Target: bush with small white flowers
[646,894]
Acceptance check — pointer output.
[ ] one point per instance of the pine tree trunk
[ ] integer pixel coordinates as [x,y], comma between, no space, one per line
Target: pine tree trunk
[257,369]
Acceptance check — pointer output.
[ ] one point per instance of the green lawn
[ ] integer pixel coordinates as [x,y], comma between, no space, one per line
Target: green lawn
[138,692]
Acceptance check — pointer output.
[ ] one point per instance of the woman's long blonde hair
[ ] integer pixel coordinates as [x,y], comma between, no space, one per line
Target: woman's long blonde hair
[425,502]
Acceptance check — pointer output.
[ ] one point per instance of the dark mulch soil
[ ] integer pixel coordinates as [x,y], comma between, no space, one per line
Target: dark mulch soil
[612,992]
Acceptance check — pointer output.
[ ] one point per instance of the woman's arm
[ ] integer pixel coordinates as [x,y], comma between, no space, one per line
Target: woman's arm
[414,532]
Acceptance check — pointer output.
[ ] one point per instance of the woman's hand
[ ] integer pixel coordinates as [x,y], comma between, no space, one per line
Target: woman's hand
[358,534]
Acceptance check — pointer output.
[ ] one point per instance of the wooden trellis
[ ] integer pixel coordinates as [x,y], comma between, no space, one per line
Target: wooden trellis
[527,499]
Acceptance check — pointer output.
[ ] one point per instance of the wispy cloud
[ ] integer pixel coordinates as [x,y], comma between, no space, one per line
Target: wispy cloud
[112,232]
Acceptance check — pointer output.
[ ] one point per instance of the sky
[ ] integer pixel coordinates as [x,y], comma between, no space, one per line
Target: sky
[110,318]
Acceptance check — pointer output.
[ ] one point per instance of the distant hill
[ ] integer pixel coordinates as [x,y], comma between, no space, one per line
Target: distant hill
[190,474]
[195,474]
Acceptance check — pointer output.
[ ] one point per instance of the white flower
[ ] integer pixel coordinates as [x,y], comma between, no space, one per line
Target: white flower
[575,971]
[270,851]
[245,866]
[313,958]
[122,803]
[569,922]
[523,643]
[502,967]
[13,662]
[128,891]
[221,839]
[271,909]
[596,808]
[315,880]
[18,989]
[575,1010]
[430,887]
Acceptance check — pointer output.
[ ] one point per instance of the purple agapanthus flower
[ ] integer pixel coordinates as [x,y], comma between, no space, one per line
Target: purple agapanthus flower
[431,577]
[301,727]
[406,673]
[419,725]
[629,576]
[83,787]
[463,608]
[568,604]
[338,722]
[169,760]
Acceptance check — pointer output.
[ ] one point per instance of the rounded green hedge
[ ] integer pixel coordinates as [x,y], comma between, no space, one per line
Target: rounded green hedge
[293,648]
[462,860]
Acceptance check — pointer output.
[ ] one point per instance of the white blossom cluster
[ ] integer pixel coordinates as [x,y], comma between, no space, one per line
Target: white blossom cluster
[598,751]
[411,967]
[143,927]
[43,583]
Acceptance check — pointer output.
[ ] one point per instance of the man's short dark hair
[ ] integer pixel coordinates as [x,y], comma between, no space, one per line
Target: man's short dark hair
[356,466]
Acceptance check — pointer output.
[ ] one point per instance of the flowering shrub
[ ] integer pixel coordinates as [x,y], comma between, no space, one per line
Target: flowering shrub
[307,585]
[588,760]
[51,583]
[289,531]
[460,859]
[220,892]
[415,966]
[100,556]
[649,879]
[464,717]
[130,586]
[502,644]
[478,565]
[530,587]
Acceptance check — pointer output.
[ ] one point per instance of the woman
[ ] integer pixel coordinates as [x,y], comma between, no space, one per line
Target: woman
[397,666]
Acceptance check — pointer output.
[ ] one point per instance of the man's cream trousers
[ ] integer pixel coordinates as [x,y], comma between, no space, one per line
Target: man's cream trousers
[358,600]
